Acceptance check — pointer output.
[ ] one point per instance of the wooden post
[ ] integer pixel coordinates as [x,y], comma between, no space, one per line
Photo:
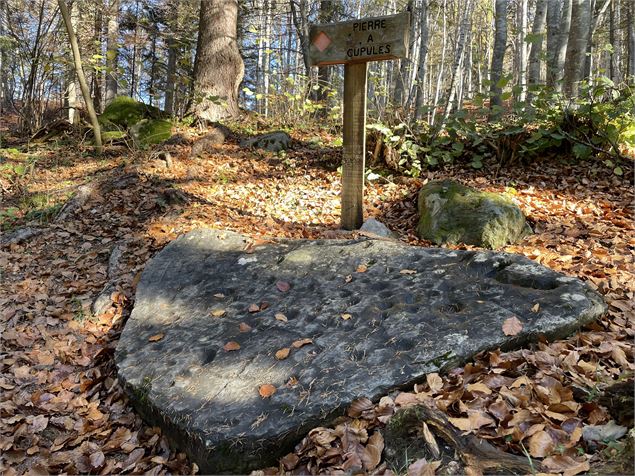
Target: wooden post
[353,163]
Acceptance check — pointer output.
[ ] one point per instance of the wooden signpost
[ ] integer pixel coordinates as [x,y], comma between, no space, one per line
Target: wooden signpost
[354,44]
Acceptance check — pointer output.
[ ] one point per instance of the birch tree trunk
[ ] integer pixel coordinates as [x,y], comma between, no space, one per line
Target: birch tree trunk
[77,61]
[97,41]
[458,56]
[561,49]
[173,50]
[423,55]
[553,40]
[437,90]
[577,46]
[498,56]
[538,33]
[522,49]
[403,75]
[630,15]
[112,51]
[615,40]
[4,60]
[218,67]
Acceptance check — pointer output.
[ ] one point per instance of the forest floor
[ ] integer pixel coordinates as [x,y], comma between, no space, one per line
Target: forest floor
[62,409]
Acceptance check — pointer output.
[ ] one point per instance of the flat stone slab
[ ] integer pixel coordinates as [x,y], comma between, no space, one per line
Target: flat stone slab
[379,315]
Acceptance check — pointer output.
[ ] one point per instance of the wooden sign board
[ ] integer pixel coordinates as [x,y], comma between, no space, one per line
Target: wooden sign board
[354,44]
[358,41]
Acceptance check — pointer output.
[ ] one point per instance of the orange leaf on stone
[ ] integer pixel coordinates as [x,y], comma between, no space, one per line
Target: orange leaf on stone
[283,353]
[362,268]
[512,326]
[244,327]
[156,337]
[301,343]
[266,390]
[253,308]
[231,345]
[280,317]
[218,312]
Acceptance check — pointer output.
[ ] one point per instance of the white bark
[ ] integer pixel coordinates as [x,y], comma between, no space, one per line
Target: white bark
[577,46]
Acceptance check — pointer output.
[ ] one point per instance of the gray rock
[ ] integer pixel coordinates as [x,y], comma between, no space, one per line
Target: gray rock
[451,213]
[273,141]
[18,236]
[603,433]
[377,228]
[382,330]
[216,136]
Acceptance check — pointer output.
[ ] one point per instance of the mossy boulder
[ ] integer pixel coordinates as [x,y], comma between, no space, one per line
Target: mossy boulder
[144,124]
[451,213]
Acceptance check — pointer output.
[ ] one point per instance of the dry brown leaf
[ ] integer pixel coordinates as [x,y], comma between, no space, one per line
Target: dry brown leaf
[281,317]
[219,295]
[565,464]
[362,268]
[422,467]
[535,307]
[540,444]
[301,342]
[283,353]
[407,271]
[218,312]
[430,440]
[244,327]
[156,337]
[266,390]
[231,345]
[358,406]
[479,387]
[371,456]
[434,382]
[512,326]
[346,316]
[283,286]
[97,459]
[253,308]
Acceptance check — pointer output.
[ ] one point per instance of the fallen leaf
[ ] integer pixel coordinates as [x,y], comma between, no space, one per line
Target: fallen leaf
[423,467]
[219,295]
[301,342]
[253,308]
[407,271]
[430,440]
[290,461]
[346,316]
[358,406]
[434,382]
[281,317]
[362,268]
[479,387]
[231,345]
[283,286]
[218,312]
[266,390]
[97,459]
[371,456]
[283,353]
[540,444]
[156,337]
[244,327]
[512,326]
[535,307]
[565,464]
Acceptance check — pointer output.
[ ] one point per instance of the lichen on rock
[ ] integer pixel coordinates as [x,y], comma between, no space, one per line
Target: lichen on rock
[450,213]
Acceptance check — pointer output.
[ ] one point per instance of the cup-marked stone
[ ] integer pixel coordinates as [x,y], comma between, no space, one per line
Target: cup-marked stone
[447,307]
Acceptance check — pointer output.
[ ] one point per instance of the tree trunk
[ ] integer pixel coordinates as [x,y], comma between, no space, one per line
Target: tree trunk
[458,56]
[112,51]
[522,49]
[538,33]
[218,68]
[423,54]
[553,40]
[577,46]
[630,21]
[498,56]
[406,63]
[4,60]
[77,60]
[172,58]
[560,53]
[97,39]
[614,40]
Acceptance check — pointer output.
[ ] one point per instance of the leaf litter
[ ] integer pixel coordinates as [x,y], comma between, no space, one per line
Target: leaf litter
[63,410]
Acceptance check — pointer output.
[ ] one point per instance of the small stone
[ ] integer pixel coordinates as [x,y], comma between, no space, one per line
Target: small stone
[377,228]
[272,141]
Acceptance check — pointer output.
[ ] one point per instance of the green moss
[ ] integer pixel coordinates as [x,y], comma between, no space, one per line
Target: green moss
[125,117]
[151,131]
[451,213]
